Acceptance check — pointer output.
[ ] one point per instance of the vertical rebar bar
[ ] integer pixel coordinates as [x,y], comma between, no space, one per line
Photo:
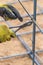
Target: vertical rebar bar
[34,29]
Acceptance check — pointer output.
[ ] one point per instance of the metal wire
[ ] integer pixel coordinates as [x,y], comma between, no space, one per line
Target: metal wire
[6,57]
[13,55]
[31,17]
[28,23]
[34,30]
[28,49]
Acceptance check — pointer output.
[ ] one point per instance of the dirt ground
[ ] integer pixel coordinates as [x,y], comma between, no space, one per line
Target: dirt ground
[14,46]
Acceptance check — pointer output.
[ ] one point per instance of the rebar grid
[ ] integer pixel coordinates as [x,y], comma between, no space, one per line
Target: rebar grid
[29,51]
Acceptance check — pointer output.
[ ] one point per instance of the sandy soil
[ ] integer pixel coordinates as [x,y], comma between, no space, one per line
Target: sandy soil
[14,46]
